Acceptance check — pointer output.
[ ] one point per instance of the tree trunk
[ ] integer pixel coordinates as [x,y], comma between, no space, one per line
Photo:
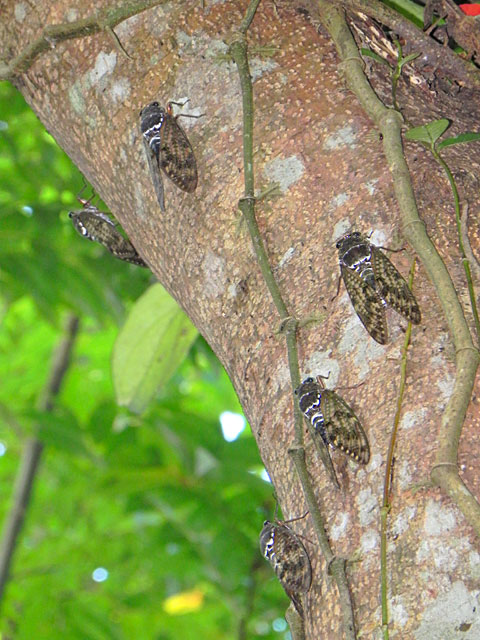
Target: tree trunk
[313,138]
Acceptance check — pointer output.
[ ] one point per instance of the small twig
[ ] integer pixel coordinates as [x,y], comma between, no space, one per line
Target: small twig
[451,64]
[105,19]
[116,41]
[32,453]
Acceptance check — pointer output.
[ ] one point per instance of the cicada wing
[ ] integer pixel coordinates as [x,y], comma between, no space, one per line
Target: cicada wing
[154,168]
[343,428]
[123,249]
[176,156]
[322,449]
[294,570]
[367,303]
[393,288]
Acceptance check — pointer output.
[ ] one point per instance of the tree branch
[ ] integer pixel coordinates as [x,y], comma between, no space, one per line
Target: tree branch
[32,453]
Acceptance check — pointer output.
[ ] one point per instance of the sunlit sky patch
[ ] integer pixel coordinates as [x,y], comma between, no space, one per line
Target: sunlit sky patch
[264,476]
[232,425]
[3,449]
[99,574]
[279,624]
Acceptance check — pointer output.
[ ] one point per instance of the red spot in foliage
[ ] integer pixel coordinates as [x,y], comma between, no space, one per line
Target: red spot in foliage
[470,9]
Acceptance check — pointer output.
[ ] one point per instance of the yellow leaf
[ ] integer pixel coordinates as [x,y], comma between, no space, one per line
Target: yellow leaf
[184,602]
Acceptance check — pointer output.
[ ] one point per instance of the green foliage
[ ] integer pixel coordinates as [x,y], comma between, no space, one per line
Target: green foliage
[428,133]
[411,10]
[151,345]
[163,502]
[374,55]
[470,136]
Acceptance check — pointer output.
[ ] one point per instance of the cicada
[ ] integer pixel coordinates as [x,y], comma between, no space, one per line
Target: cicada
[289,559]
[168,149]
[333,422]
[97,226]
[373,283]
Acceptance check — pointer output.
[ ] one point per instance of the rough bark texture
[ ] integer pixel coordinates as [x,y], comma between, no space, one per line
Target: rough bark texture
[312,137]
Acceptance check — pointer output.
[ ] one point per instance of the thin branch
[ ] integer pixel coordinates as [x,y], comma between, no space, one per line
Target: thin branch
[337,565]
[238,51]
[105,19]
[247,207]
[444,474]
[32,453]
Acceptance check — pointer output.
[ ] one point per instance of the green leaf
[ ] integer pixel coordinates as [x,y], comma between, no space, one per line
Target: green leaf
[408,59]
[409,9]
[371,54]
[152,344]
[428,133]
[470,136]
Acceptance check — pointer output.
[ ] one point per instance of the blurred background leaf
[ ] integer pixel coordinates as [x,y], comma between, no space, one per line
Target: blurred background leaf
[153,342]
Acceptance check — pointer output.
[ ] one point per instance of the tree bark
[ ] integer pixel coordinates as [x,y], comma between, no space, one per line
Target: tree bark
[312,137]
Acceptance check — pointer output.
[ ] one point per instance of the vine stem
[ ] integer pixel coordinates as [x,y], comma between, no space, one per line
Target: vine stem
[387,486]
[239,52]
[465,261]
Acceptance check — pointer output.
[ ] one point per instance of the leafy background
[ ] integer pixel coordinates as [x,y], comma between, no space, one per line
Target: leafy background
[160,500]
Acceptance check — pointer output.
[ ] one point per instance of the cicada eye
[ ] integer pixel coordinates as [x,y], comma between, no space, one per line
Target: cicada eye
[309,380]
[338,244]
[155,104]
